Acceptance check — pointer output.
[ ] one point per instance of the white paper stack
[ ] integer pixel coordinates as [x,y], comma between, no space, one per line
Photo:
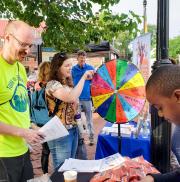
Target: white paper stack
[92,165]
[81,165]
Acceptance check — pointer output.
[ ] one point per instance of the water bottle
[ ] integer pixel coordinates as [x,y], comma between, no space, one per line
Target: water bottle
[77,118]
[145,129]
[138,128]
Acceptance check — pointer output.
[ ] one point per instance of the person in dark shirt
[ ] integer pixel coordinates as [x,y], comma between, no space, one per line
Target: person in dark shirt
[163,92]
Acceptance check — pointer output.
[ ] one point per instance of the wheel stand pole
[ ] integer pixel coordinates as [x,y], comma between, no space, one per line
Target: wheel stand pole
[119,138]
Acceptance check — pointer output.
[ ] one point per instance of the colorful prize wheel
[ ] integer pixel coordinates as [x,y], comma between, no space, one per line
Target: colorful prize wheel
[118,91]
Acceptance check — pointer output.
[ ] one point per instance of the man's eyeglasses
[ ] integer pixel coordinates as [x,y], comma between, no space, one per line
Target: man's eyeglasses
[22,44]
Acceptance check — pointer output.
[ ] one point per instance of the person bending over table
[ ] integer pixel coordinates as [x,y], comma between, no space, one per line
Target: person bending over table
[163,92]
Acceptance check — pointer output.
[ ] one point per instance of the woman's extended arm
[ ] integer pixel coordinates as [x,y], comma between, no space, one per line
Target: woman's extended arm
[71,95]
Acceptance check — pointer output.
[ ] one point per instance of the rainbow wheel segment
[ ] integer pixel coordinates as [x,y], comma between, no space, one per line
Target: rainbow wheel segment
[120,114]
[136,81]
[130,71]
[104,74]
[111,68]
[99,86]
[130,112]
[121,68]
[100,99]
[111,112]
[134,102]
[104,107]
[138,92]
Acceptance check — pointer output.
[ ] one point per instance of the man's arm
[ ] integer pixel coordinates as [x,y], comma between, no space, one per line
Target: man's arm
[31,136]
[71,95]
[92,67]
[173,176]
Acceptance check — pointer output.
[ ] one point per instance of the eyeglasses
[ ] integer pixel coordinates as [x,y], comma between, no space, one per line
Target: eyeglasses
[22,44]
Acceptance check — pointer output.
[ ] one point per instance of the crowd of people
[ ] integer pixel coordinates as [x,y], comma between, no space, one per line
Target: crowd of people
[66,88]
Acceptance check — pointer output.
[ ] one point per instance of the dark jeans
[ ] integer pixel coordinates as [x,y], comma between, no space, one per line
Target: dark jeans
[45,157]
[16,169]
[81,152]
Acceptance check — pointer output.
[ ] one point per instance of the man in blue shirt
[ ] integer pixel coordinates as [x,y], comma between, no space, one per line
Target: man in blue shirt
[85,98]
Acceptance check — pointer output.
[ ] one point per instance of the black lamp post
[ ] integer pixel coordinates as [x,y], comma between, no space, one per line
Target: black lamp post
[39,53]
[161,129]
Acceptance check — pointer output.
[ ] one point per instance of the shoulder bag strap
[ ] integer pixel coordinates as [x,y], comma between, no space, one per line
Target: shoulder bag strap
[37,96]
[58,102]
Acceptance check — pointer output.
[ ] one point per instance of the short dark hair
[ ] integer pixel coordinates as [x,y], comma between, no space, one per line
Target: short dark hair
[81,53]
[164,80]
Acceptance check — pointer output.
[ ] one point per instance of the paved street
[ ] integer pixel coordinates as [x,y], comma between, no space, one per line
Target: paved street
[36,154]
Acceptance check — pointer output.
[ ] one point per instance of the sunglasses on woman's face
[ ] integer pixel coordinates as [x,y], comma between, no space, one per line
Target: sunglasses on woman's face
[62,54]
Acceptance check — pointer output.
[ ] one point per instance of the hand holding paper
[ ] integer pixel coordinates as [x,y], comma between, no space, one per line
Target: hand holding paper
[53,129]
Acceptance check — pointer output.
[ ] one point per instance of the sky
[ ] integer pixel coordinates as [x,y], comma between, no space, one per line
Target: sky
[124,6]
[137,6]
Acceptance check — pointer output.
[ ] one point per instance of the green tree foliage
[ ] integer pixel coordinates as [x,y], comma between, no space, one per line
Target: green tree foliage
[122,43]
[174,47]
[118,30]
[152,29]
[108,26]
[71,23]
[174,44]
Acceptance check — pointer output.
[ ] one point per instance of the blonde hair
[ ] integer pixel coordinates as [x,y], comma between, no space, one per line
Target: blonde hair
[43,71]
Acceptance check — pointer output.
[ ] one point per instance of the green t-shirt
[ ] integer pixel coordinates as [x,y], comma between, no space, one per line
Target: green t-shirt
[16,111]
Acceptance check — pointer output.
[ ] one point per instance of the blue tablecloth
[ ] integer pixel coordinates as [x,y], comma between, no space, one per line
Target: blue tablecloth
[130,146]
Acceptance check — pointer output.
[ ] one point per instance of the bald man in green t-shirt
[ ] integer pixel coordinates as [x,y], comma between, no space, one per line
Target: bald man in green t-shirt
[15,164]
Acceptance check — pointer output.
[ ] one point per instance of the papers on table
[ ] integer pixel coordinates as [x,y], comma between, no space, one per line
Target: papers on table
[111,162]
[53,129]
[80,165]
[92,165]
[126,130]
